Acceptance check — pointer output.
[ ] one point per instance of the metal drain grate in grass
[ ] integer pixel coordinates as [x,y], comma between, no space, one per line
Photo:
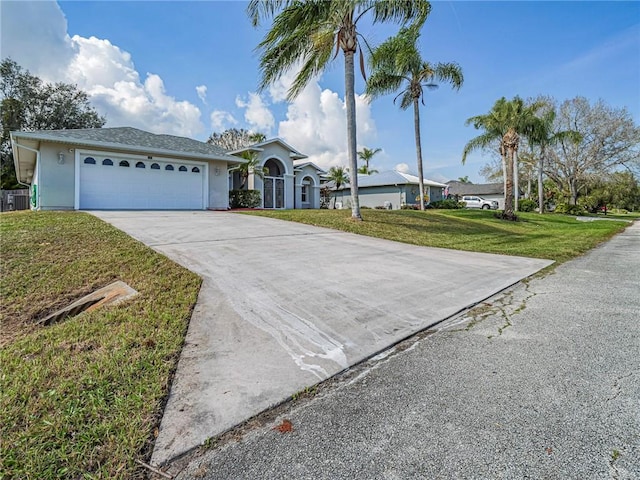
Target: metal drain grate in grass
[112,294]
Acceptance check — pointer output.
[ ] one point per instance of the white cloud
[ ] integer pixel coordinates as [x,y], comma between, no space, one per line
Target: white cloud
[257,113]
[40,43]
[278,89]
[201,90]
[402,167]
[221,120]
[34,34]
[316,125]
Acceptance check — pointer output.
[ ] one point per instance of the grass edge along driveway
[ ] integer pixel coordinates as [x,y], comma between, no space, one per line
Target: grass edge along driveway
[550,236]
[82,399]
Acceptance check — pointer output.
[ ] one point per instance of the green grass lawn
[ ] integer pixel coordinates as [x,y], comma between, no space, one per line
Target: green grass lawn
[556,237]
[81,399]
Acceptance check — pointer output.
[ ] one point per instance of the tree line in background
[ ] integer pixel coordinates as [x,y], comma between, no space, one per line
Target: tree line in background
[589,153]
[28,104]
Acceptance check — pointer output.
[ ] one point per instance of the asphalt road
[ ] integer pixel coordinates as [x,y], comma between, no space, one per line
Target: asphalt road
[542,381]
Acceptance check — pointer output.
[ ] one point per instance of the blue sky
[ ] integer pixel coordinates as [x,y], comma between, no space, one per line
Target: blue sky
[189,68]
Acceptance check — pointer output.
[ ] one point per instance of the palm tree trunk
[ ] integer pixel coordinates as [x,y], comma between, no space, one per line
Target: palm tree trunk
[508,197]
[503,155]
[352,148]
[416,126]
[540,185]
[516,181]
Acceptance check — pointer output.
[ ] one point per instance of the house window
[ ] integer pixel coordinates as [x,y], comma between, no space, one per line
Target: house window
[182,168]
[195,170]
[108,162]
[140,165]
[155,166]
[124,163]
[305,193]
[90,161]
[169,167]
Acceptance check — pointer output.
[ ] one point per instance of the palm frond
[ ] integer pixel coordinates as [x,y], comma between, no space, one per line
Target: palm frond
[258,10]
[411,12]
[478,143]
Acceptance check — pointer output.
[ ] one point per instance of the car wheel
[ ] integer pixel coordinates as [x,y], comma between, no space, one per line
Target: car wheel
[485,207]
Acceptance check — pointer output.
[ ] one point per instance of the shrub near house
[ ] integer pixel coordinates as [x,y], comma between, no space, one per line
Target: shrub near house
[244,199]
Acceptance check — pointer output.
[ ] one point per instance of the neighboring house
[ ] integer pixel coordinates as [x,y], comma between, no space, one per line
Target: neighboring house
[391,189]
[288,181]
[127,168]
[488,191]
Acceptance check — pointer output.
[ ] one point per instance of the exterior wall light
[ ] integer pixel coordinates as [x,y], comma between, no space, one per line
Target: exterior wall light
[60,158]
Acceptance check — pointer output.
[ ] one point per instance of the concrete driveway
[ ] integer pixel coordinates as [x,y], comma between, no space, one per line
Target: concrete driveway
[284,306]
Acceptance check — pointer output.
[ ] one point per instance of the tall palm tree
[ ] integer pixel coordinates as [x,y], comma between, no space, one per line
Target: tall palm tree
[397,63]
[307,33]
[507,121]
[544,136]
[339,176]
[366,154]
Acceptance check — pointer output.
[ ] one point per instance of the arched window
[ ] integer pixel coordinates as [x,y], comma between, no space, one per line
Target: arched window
[140,165]
[195,170]
[169,167]
[90,161]
[124,163]
[274,167]
[155,166]
[183,168]
[107,161]
[304,191]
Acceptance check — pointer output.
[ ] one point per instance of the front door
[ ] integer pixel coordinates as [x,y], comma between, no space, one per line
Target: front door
[273,192]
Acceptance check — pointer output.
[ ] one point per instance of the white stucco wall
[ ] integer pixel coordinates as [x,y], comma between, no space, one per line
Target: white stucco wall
[218,186]
[310,174]
[56,181]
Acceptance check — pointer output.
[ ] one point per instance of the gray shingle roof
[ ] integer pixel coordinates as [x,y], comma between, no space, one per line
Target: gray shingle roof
[131,137]
[392,177]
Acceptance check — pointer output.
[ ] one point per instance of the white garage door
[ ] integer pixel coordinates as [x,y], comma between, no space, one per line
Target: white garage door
[108,182]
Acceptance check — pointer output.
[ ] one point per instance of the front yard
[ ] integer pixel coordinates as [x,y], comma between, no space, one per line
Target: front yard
[556,237]
[82,398]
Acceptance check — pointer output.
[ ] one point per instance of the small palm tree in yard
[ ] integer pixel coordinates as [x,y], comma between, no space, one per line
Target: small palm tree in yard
[339,176]
[366,154]
[397,63]
[252,165]
[507,121]
[306,34]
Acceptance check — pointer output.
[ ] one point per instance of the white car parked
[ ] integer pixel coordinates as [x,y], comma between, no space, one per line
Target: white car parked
[473,201]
